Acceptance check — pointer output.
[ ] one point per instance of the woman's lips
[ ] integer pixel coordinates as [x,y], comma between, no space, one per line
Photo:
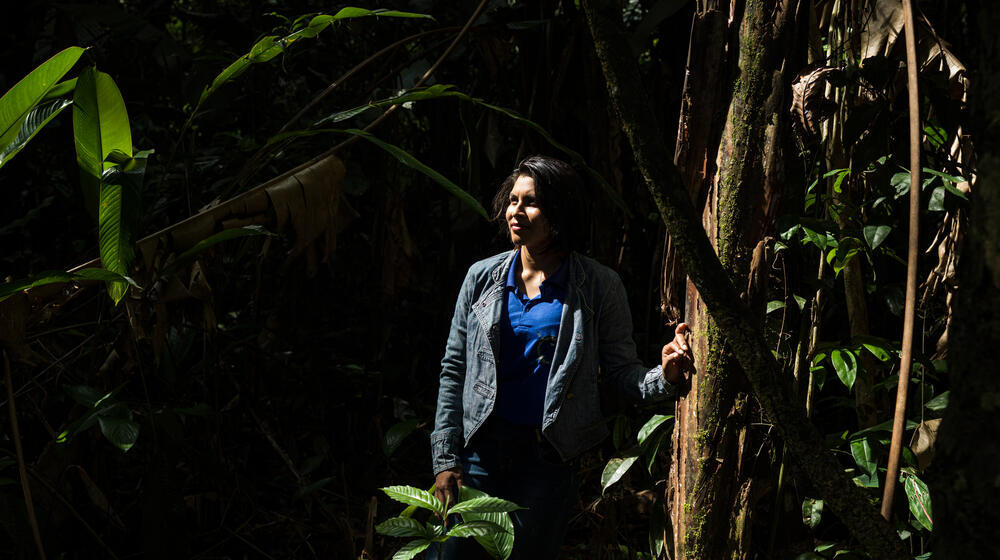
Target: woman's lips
[515,227]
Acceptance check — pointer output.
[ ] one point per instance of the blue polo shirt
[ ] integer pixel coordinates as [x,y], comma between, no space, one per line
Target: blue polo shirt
[528,331]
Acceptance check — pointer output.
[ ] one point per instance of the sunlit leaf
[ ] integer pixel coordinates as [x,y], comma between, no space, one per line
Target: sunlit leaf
[485,504]
[774,305]
[404,527]
[478,528]
[499,545]
[100,127]
[414,497]
[273,45]
[58,276]
[411,549]
[846,365]
[36,118]
[652,425]
[877,351]
[32,89]
[615,469]
[919,498]
[121,432]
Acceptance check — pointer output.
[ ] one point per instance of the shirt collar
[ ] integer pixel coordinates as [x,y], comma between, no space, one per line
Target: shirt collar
[559,279]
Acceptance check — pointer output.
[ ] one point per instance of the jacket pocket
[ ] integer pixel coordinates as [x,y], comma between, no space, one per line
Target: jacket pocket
[483,390]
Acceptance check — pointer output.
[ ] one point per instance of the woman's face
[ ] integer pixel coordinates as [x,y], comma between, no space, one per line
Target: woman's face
[528,226]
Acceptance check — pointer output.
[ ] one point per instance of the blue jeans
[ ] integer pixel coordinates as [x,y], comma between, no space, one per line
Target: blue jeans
[517,463]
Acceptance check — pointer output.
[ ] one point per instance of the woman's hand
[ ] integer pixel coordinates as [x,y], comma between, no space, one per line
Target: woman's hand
[447,484]
[676,356]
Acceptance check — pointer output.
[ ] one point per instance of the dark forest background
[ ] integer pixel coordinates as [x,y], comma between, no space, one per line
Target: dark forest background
[281,386]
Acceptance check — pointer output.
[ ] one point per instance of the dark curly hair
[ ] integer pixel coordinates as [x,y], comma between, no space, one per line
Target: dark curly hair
[560,196]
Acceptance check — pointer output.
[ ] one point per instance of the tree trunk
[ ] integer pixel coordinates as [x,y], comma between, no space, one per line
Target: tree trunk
[730,159]
[734,321]
[964,484]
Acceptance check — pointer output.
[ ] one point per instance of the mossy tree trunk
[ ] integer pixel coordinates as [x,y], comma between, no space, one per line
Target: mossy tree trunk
[732,129]
[735,322]
[965,488]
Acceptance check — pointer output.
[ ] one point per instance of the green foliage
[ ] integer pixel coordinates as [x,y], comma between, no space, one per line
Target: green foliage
[273,45]
[484,518]
[58,276]
[114,418]
[20,116]
[441,91]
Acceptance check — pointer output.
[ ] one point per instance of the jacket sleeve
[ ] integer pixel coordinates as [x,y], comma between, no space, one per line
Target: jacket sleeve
[447,439]
[619,362]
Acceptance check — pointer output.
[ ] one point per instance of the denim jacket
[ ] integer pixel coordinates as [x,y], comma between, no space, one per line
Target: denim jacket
[595,331]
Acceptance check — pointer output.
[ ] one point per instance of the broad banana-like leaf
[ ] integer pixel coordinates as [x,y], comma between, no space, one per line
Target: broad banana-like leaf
[36,118]
[273,45]
[57,276]
[100,127]
[20,100]
[118,216]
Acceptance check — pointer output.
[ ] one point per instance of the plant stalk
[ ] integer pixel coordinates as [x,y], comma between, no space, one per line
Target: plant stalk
[21,467]
[906,356]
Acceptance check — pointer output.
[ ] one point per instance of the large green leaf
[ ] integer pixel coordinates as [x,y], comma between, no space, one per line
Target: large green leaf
[861,450]
[414,497]
[100,127]
[121,432]
[36,118]
[57,276]
[445,90]
[411,549]
[615,469]
[478,528]
[273,45]
[498,545]
[404,527]
[22,98]
[118,216]
[485,504]
[846,365]
[652,425]
[919,498]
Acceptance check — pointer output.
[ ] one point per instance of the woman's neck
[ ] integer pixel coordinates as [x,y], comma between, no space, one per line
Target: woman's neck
[540,264]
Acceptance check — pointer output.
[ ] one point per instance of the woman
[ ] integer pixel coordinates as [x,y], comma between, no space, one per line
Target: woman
[518,399]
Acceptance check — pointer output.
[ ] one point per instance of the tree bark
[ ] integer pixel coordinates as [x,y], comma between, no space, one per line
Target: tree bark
[735,322]
[963,477]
